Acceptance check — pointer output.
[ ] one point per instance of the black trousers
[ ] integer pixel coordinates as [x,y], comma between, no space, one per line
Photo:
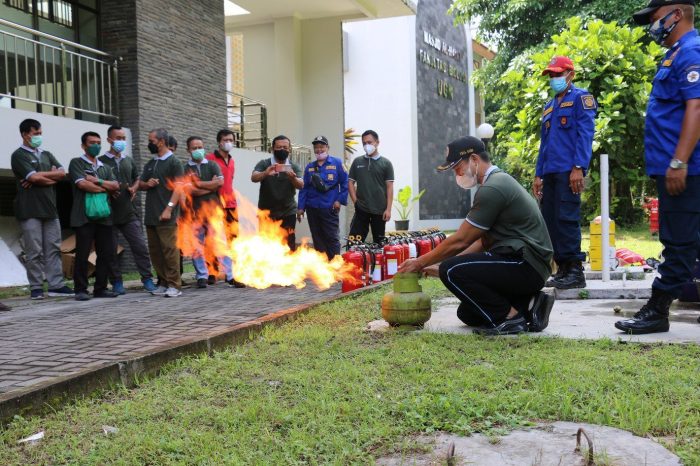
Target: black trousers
[488,285]
[289,222]
[361,223]
[679,232]
[325,232]
[105,249]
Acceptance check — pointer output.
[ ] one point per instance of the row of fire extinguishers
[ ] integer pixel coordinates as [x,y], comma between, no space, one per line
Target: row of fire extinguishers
[377,262]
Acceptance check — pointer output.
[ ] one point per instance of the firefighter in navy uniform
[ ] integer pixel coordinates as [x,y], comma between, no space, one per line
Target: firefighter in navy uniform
[325,190]
[568,125]
[672,156]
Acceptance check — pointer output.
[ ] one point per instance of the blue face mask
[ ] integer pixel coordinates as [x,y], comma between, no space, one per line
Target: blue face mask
[559,84]
[119,146]
[658,32]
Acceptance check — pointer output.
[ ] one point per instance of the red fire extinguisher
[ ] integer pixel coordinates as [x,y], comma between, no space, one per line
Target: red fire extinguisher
[355,280]
[378,272]
[392,254]
[653,207]
[424,246]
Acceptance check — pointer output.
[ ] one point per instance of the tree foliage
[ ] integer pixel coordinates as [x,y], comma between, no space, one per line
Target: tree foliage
[618,70]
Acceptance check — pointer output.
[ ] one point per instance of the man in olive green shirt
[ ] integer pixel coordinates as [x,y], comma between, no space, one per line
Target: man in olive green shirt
[162,181]
[371,188]
[91,177]
[503,245]
[36,172]
[205,179]
[279,181]
[124,213]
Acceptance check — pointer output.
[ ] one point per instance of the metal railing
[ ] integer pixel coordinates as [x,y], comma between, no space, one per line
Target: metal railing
[75,80]
[248,119]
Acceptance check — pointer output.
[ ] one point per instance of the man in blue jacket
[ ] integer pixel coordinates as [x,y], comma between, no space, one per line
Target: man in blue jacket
[672,152]
[568,125]
[325,190]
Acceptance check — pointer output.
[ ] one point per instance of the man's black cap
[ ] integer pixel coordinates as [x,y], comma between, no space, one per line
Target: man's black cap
[461,148]
[643,17]
[320,140]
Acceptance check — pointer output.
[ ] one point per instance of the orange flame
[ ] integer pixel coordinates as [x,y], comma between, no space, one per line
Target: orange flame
[256,244]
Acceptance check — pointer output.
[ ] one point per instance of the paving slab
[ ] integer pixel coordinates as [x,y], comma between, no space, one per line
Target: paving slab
[613,289]
[58,337]
[578,319]
[544,444]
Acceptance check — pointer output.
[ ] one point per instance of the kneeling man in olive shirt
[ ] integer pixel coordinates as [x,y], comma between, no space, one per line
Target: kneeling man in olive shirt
[499,259]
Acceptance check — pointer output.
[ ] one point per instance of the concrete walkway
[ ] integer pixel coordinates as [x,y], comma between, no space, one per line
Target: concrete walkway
[45,340]
[585,319]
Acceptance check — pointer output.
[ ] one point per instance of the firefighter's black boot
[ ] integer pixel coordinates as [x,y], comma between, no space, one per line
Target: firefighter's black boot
[561,271]
[572,278]
[651,318]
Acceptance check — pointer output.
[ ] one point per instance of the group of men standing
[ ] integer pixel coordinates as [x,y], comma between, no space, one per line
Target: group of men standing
[104,188]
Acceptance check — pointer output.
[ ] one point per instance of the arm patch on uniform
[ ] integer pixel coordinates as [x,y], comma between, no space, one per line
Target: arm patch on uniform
[567,104]
[589,102]
[693,76]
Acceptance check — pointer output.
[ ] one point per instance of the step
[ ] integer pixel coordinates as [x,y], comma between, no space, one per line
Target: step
[614,289]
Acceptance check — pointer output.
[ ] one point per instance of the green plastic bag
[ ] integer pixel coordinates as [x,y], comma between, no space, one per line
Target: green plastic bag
[97,206]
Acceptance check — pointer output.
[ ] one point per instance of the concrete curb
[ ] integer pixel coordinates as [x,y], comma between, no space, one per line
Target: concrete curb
[51,394]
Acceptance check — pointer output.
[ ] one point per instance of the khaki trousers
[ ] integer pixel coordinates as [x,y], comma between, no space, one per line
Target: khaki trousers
[165,256]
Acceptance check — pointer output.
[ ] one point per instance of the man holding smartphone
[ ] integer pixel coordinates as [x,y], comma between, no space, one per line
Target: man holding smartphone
[279,180]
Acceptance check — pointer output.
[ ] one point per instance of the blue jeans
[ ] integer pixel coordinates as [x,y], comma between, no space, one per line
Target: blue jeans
[200,263]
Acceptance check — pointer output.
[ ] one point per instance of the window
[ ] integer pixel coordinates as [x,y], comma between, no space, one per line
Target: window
[57,11]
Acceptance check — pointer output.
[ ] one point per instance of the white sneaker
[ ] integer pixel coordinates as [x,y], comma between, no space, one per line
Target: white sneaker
[160,291]
[172,293]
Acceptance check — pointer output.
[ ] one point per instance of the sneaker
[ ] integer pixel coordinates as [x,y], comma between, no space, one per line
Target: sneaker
[172,293]
[211,280]
[64,291]
[160,291]
[236,284]
[82,296]
[148,285]
[37,294]
[539,313]
[118,287]
[105,294]
[201,283]
[507,327]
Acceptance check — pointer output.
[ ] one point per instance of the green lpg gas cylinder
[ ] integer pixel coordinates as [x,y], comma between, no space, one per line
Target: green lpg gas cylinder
[407,305]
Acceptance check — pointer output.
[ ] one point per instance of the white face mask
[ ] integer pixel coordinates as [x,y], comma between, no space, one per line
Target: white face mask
[369,149]
[226,146]
[468,180]
[322,156]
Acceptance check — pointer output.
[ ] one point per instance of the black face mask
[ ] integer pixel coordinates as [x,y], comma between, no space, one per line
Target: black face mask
[152,148]
[281,155]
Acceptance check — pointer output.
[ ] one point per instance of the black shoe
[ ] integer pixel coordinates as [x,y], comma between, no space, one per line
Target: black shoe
[211,280]
[651,318]
[539,314]
[573,278]
[507,327]
[236,284]
[82,296]
[561,271]
[105,294]
[201,283]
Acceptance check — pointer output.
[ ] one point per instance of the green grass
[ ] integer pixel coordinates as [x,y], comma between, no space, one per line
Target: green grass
[637,239]
[321,390]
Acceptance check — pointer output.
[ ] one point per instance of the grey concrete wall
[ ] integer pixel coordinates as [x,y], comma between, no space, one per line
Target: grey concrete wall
[441,118]
[173,67]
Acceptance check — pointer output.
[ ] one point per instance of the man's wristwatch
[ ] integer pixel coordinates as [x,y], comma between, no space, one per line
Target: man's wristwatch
[678,165]
[170,204]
